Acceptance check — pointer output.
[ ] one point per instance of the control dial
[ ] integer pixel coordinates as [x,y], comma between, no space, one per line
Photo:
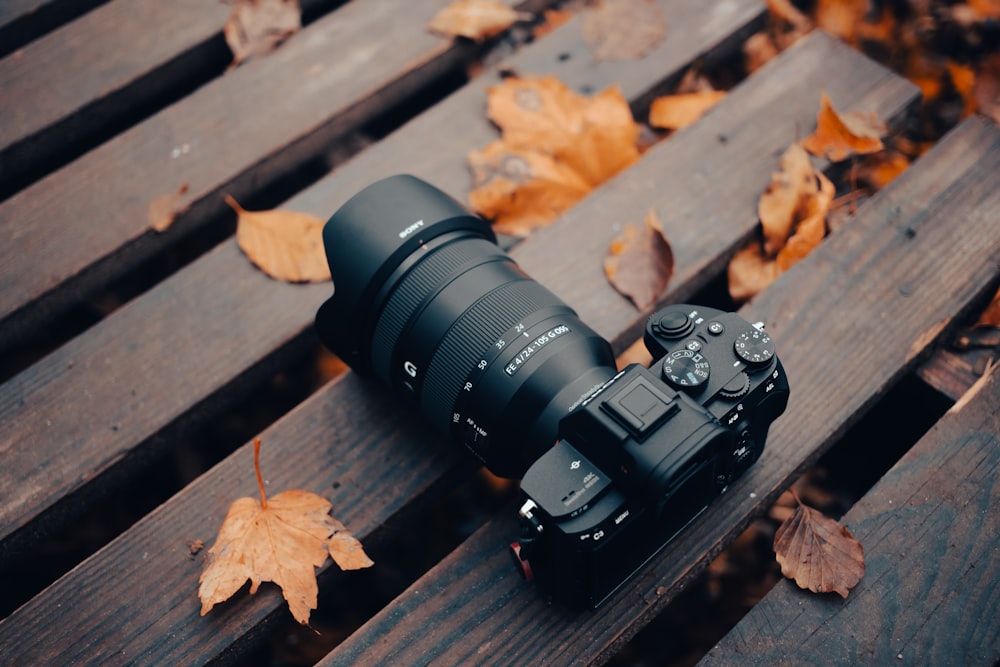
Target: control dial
[736,387]
[754,347]
[686,368]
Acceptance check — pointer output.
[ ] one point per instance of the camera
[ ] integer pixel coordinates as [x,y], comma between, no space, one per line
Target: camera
[613,464]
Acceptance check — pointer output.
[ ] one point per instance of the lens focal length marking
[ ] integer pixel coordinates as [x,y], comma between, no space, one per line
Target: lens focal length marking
[525,353]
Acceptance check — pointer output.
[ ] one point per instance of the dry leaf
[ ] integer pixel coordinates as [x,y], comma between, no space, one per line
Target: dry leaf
[640,262]
[672,112]
[520,191]
[838,136]
[758,50]
[991,316]
[986,89]
[809,232]
[286,245]
[841,17]
[553,19]
[257,27]
[793,211]
[164,209]
[556,146]
[623,29]
[781,205]
[879,169]
[475,19]
[280,539]
[750,272]
[820,554]
[789,13]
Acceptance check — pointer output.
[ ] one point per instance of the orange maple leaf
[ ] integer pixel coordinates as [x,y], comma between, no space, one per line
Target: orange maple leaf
[556,146]
[839,136]
[281,539]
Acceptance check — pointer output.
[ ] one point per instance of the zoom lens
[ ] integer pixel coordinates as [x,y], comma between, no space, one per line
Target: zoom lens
[425,301]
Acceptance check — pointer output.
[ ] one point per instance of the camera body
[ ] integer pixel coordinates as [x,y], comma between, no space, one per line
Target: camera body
[426,302]
[643,456]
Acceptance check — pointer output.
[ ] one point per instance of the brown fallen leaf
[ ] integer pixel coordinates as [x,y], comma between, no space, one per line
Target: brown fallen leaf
[640,262]
[475,19]
[521,191]
[164,209]
[986,89]
[286,245]
[818,553]
[991,315]
[553,19]
[280,539]
[555,147]
[879,169]
[838,136]
[758,50]
[783,202]
[673,112]
[257,27]
[793,212]
[623,29]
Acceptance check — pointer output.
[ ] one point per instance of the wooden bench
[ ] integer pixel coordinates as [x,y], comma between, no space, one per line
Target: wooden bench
[186,350]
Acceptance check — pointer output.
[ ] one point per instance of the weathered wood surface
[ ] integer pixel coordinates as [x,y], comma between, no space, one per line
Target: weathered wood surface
[849,321]
[323,83]
[306,445]
[231,320]
[24,20]
[932,552]
[87,74]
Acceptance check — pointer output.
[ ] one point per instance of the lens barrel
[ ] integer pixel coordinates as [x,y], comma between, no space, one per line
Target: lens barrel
[425,301]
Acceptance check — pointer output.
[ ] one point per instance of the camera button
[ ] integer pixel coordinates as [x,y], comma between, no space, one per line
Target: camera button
[674,325]
[716,328]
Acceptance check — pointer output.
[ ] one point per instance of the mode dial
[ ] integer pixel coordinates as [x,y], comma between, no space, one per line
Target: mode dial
[686,368]
[754,347]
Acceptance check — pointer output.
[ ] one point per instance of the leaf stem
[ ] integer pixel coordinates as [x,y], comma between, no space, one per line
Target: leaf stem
[256,467]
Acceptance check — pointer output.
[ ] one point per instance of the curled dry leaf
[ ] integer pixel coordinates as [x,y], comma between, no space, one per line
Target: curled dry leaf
[286,245]
[879,169]
[818,553]
[991,316]
[257,27]
[623,29]
[838,136]
[793,212]
[280,539]
[556,146]
[673,112]
[164,209]
[640,262]
[475,19]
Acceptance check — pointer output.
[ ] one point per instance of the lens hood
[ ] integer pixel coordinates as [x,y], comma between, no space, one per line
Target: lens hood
[367,240]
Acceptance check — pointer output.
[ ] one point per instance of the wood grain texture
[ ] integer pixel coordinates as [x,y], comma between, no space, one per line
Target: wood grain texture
[228,318]
[849,320]
[88,222]
[932,548]
[88,73]
[328,440]
[22,21]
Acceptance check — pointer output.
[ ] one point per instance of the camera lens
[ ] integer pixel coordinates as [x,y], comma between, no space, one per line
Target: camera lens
[425,301]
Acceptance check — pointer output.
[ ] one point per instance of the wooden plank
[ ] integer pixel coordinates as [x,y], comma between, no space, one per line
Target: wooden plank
[221,298]
[24,20]
[849,321]
[932,552]
[319,446]
[89,73]
[88,222]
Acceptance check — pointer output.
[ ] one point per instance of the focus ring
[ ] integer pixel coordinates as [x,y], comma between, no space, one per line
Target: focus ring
[472,337]
[429,275]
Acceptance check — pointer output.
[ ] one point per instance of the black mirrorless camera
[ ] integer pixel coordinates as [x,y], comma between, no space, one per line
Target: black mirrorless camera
[613,463]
